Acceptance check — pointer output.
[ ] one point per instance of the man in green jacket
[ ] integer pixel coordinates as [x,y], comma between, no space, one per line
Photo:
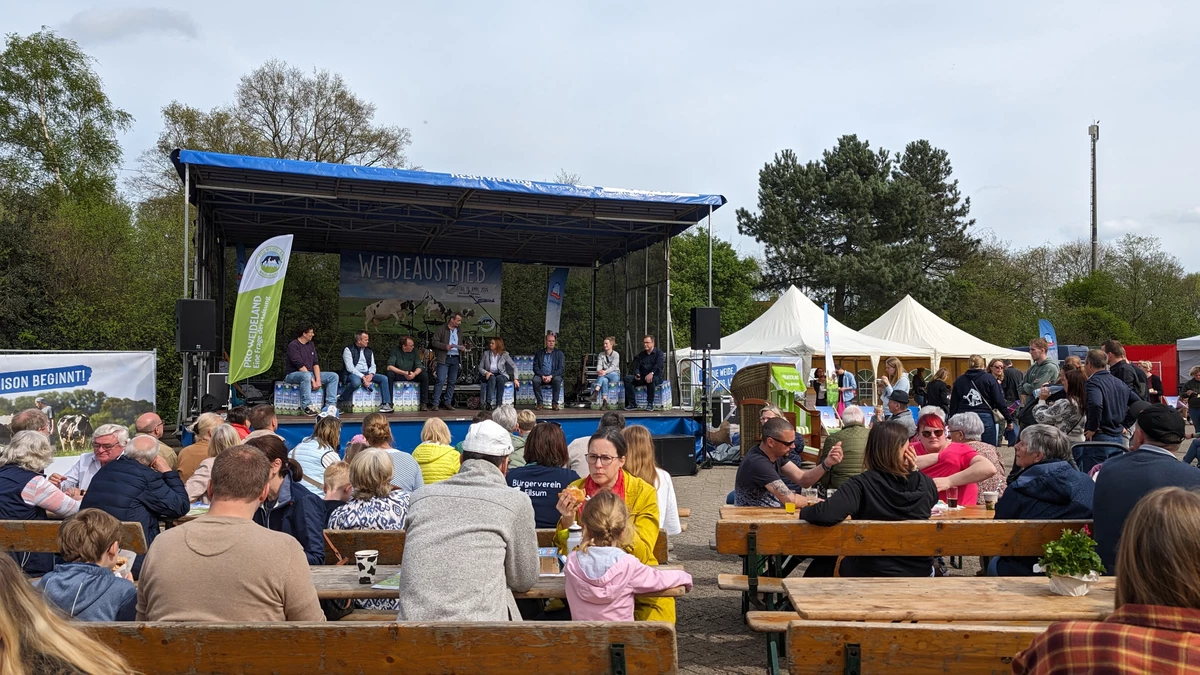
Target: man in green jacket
[405,365]
[853,438]
[1043,370]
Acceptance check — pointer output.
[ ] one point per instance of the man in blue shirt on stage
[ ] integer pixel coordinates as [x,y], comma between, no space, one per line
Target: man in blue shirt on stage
[647,372]
[548,368]
[446,348]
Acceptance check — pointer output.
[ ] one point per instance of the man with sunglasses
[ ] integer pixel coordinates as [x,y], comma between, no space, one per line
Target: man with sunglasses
[108,443]
[760,477]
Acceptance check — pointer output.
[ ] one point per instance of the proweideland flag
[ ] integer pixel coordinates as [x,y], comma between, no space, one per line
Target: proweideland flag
[256,318]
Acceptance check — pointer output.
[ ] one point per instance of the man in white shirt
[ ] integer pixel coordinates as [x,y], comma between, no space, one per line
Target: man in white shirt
[108,443]
[359,362]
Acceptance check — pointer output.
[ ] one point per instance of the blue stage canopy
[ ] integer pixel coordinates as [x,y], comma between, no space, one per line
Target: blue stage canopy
[329,207]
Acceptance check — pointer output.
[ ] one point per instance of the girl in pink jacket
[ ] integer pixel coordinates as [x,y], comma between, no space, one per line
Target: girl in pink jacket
[601,577]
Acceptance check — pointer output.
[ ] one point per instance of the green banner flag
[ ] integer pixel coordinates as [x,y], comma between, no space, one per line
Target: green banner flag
[256,318]
[787,378]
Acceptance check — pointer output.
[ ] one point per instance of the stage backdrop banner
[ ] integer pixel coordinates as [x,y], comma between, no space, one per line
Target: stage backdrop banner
[404,293]
[256,317]
[107,387]
[555,287]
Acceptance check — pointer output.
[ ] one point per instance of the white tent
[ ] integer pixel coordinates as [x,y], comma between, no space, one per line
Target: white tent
[794,327]
[1188,351]
[910,323]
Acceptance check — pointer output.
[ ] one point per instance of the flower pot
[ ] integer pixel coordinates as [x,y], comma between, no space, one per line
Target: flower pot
[1072,586]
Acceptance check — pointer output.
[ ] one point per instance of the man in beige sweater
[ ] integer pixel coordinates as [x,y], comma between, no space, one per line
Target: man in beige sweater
[223,566]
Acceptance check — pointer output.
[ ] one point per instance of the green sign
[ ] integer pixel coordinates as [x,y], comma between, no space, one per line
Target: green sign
[787,378]
[256,316]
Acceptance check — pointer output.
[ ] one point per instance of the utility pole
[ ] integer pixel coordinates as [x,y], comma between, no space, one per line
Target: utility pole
[1094,132]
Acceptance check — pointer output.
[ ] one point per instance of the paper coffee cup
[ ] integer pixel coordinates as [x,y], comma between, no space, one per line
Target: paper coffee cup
[990,499]
[366,561]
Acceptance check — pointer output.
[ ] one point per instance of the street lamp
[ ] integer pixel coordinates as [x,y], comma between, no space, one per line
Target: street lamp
[1094,132]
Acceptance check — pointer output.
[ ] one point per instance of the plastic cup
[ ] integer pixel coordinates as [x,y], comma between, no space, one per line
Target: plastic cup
[790,507]
[990,499]
[366,564]
[952,497]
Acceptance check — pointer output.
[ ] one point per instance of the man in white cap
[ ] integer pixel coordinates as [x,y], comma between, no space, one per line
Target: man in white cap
[471,540]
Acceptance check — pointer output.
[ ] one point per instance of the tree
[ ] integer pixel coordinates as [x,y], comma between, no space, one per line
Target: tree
[566,178]
[860,229]
[734,280]
[57,126]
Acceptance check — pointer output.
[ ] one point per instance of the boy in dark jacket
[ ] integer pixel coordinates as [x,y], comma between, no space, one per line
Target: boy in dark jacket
[139,487]
[85,587]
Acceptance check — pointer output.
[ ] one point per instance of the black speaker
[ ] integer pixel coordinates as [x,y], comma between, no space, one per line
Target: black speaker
[676,454]
[706,328]
[195,325]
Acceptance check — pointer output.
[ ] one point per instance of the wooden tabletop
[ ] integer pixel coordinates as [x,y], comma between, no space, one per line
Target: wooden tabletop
[944,599]
[752,513]
[341,582]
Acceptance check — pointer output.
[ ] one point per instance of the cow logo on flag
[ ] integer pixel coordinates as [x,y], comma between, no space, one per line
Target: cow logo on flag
[270,262]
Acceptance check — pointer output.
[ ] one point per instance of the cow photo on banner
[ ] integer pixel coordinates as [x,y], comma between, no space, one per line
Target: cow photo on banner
[407,294]
[78,390]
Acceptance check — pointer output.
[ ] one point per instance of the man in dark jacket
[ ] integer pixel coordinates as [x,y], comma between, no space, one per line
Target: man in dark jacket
[548,366]
[1048,488]
[446,350]
[1123,370]
[1108,401]
[138,487]
[647,372]
[1125,479]
[977,391]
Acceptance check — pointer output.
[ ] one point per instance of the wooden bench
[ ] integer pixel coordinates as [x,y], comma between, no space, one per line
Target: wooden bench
[367,648]
[829,647]
[41,536]
[390,544]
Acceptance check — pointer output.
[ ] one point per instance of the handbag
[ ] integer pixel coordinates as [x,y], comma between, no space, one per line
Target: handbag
[336,609]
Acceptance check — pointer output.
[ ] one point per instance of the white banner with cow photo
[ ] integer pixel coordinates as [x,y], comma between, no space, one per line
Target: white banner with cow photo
[79,390]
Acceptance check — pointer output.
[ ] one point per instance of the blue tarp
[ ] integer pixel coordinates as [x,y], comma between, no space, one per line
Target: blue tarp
[329,207]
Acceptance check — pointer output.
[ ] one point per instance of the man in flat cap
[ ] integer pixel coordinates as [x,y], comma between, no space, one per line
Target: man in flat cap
[471,539]
[1149,464]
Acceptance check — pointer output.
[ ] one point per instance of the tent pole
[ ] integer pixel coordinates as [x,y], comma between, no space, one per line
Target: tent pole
[646,292]
[187,182]
[595,269]
[670,341]
[710,255]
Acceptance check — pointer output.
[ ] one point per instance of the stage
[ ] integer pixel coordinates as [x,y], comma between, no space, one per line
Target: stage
[575,422]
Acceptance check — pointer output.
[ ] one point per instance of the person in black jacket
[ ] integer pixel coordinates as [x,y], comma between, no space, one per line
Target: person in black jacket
[1123,370]
[938,391]
[1048,487]
[647,372]
[889,488]
[978,391]
[139,487]
[290,508]
[1154,383]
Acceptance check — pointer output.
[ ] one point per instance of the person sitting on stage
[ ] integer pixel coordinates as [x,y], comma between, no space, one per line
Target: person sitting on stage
[497,369]
[359,360]
[405,365]
[647,372]
[548,368]
[608,371]
[302,368]
[449,359]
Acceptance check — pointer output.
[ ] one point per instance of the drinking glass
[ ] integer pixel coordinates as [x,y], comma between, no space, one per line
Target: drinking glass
[952,497]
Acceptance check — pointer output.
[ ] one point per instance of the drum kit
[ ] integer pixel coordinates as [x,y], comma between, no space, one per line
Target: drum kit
[470,355]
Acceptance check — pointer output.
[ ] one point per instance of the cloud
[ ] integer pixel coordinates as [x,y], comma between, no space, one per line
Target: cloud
[98,26]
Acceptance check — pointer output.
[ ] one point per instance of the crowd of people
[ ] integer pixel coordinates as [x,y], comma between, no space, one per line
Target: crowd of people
[496,369]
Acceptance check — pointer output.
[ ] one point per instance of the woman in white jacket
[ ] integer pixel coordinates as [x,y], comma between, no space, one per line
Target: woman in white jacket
[640,462]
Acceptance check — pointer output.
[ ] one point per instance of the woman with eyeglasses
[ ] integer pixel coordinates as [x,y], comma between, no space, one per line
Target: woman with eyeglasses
[949,464]
[889,488]
[606,472]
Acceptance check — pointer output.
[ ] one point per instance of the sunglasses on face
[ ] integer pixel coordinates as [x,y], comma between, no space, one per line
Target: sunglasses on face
[933,433]
[786,444]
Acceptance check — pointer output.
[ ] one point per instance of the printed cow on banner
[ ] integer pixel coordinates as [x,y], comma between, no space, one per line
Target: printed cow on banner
[392,307]
[74,430]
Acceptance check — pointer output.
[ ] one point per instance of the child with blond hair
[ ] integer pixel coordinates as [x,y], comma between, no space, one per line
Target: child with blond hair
[601,577]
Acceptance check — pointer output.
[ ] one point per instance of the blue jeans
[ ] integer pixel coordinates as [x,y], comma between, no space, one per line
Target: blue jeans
[989,428]
[447,375]
[1193,451]
[494,385]
[609,379]
[1013,435]
[328,380]
[355,381]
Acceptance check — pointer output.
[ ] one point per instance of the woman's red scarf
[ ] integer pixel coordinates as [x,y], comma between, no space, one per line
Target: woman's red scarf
[590,488]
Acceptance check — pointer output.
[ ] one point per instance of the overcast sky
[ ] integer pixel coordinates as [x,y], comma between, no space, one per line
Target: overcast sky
[697,96]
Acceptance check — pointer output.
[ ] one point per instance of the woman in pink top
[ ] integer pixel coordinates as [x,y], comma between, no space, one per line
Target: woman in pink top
[949,464]
[601,577]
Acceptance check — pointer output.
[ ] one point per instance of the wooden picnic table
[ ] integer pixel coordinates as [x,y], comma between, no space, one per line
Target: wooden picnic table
[999,599]
[753,513]
[341,582]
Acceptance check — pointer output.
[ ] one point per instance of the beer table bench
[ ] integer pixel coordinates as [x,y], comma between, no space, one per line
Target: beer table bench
[383,648]
[838,647]
[41,536]
[340,582]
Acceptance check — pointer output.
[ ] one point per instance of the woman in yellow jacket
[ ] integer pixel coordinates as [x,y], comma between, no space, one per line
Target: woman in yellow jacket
[606,471]
[438,459]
